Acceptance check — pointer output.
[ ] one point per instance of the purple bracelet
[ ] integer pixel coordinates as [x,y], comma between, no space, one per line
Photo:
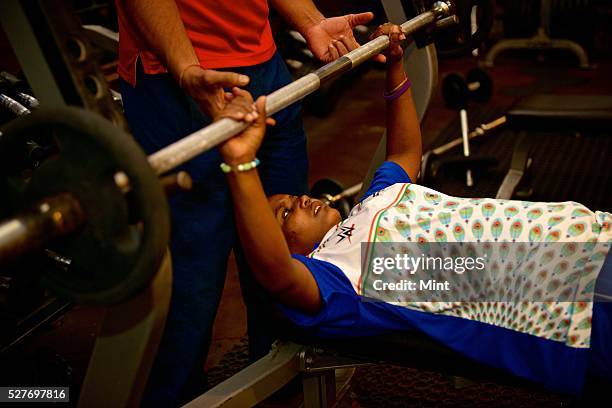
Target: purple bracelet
[399,92]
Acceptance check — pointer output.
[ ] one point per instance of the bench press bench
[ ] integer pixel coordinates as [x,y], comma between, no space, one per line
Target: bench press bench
[550,113]
[317,359]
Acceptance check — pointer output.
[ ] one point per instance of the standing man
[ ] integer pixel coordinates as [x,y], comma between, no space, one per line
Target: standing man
[175,59]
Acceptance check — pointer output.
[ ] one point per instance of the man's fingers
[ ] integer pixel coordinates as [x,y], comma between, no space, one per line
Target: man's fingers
[333,52]
[349,43]
[242,93]
[225,79]
[246,104]
[240,107]
[340,47]
[243,99]
[361,18]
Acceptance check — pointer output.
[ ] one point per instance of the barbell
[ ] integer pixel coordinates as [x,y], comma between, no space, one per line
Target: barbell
[432,163]
[205,139]
[95,203]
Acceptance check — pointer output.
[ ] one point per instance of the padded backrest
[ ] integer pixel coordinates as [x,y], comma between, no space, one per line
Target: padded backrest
[562,113]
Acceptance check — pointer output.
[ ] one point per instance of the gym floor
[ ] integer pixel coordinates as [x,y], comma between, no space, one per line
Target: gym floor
[341,147]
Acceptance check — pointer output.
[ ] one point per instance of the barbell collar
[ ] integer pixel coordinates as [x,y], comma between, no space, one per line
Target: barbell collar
[442,9]
[447,22]
[54,217]
[216,133]
[176,183]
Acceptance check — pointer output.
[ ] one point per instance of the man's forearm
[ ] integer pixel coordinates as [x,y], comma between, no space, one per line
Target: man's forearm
[300,13]
[160,24]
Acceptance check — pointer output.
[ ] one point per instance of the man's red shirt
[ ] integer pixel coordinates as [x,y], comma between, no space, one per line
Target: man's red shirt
[224,34]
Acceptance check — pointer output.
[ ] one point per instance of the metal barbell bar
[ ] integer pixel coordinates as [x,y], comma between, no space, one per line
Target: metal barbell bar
[208,137]
[478,131]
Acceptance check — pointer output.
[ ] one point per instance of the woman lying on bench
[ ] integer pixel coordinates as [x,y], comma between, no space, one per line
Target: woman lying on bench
[528,310]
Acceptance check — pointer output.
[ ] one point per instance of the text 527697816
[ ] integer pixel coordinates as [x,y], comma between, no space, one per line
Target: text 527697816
[34,394]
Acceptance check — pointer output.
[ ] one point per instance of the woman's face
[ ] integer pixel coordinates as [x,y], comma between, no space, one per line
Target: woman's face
[304,220]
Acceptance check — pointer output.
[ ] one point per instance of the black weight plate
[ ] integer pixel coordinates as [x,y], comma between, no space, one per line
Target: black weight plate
[117,252]
[325,186]
[331,187]
[456,41]
[343,206]
[485,90]
[426,174]
[454,91]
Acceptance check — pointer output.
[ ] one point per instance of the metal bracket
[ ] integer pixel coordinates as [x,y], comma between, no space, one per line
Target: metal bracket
[313,360]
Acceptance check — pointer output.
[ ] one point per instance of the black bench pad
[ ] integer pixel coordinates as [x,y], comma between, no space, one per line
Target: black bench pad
[562,112]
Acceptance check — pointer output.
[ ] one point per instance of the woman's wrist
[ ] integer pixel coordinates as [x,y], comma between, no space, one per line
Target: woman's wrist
[395,76]
[396,65]
[237,160]
[240,168]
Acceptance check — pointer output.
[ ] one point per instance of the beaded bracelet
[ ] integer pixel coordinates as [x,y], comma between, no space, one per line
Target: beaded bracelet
[226,168]
[398,91]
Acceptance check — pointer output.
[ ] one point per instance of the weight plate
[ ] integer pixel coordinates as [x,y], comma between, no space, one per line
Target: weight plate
[325,186]
[485,90]
[426,175]
[454,91]
[118,250]
[459,40]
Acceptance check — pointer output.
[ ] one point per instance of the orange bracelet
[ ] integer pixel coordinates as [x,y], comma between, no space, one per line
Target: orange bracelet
[185,69]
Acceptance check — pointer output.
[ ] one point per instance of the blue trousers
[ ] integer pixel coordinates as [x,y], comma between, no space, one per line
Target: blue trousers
[203,230]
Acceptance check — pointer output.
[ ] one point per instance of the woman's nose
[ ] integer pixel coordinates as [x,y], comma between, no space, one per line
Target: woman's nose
[304,201]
